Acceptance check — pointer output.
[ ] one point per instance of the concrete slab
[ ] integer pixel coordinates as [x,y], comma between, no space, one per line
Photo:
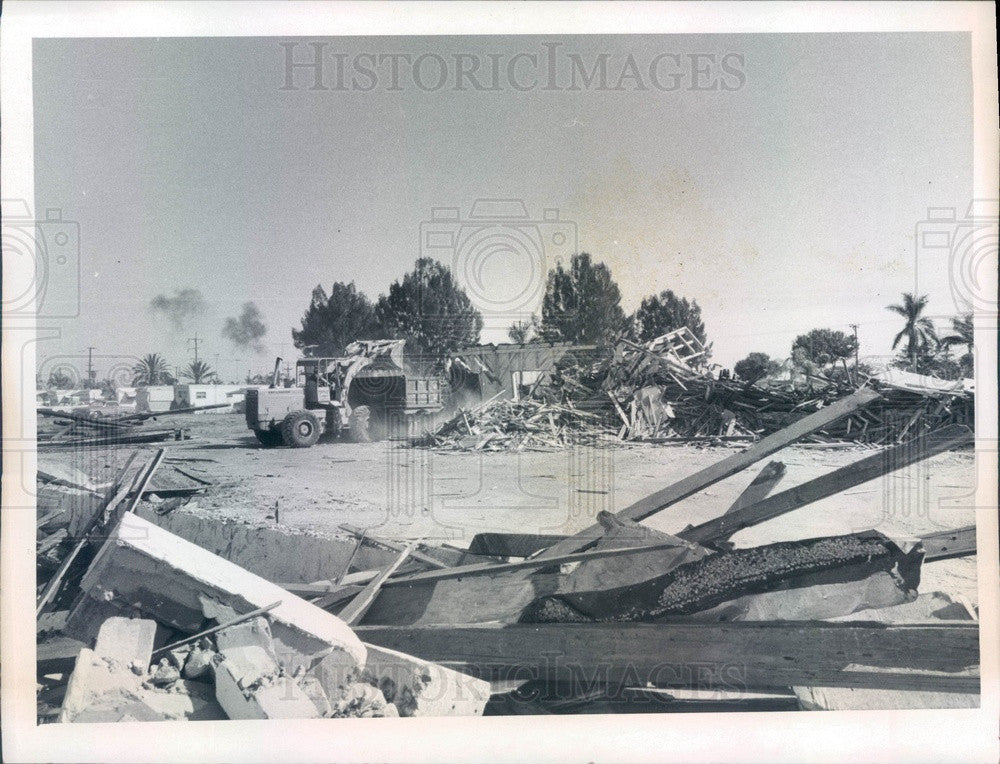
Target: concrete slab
[126,640]
[145,568]
[420,688]
[283,698]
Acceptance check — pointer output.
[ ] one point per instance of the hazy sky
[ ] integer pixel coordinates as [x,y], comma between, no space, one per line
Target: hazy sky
[785,204]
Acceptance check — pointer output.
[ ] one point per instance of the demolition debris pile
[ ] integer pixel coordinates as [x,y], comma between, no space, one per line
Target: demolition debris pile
[524,425]
[93,427]
[149,610]
[661,391]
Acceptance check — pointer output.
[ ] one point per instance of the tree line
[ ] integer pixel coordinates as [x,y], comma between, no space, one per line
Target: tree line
[431,311]
[919,347]
[582,305]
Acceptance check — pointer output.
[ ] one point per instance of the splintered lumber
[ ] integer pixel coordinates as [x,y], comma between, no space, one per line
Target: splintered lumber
[943,545]
[114,496]
[357,606]
[720,470]
[734,656]
[862,471]
[416,554]
[761,486]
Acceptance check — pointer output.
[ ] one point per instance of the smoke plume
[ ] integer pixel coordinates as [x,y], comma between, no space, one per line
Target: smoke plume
[248,329]
[185,304]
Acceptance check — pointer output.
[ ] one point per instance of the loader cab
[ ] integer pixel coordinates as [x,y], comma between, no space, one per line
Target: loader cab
[322,379]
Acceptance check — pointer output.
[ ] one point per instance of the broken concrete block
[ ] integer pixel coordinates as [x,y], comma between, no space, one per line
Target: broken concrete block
[273,698]
[256,632]
[165,674]
[419,688]
[194,701]
[335,674]
[102,690]
[311,686]
[145,568]
[128,641]
[198,662]
[249,664]
[360,700]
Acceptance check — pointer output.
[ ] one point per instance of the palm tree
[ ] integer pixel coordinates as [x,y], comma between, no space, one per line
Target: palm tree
[962,328]
[519,332]
[962,334]
[198,372]
[919,330]
[151,370]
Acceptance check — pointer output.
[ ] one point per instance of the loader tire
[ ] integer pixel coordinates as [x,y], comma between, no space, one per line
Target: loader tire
[301,429]
[268,438]
[364,425]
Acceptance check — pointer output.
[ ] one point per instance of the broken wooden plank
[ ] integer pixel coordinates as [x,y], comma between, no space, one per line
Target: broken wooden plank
[338,596]
[734,656]
[129,437]
[510,544]
[357,607]
[943,545]
[862,471]
[761,486]
[49,592]
[416,554]
[57,655]
[52,541]
[147,475]
[702,479]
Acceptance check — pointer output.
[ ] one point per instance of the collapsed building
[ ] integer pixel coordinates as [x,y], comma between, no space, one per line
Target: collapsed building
[664,391]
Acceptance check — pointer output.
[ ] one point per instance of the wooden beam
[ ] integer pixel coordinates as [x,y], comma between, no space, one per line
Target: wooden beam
[761,486]
[944,545]
[869,468]
[416,554]
[720,470]
[144,480]
[488,569]
[510,544]
[357,606]
[734,656]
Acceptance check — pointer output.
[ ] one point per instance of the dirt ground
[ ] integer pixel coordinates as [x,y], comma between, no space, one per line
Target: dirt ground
[402,492]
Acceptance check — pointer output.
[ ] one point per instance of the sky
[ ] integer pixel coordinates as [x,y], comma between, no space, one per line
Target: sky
[787,198]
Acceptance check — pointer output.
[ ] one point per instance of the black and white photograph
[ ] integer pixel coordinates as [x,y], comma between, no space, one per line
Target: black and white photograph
[628,369]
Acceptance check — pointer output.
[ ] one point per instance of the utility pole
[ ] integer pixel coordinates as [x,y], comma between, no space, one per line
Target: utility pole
[90,364]
[857,372]
[195,340]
